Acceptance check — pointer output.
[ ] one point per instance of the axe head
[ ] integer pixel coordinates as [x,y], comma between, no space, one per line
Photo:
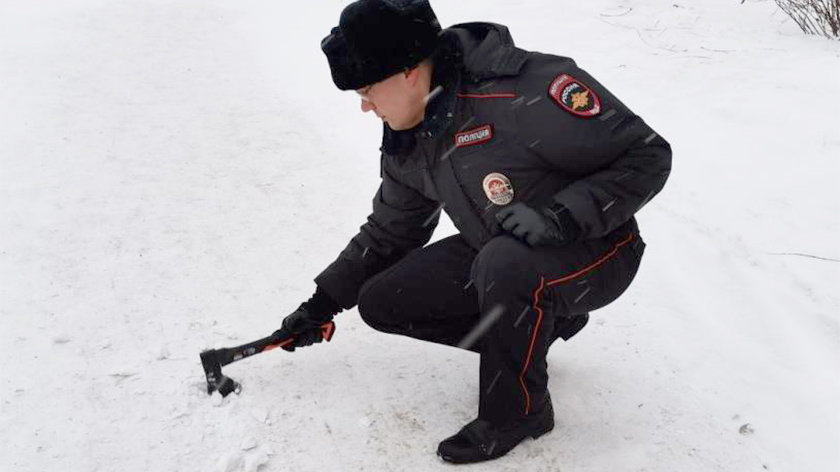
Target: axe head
[216,381]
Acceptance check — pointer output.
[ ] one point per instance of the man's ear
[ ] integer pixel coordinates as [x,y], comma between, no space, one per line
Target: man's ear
[412,75]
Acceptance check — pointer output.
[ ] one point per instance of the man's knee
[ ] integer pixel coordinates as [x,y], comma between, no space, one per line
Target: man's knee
[368,305]
[503,259]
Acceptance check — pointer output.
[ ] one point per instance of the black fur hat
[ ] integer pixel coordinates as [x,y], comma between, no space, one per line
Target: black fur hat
[375,39]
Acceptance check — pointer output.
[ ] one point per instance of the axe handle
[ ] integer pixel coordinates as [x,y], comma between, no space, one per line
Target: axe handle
[229,355]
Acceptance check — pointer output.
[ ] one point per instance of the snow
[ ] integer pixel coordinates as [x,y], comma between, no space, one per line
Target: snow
[173,174]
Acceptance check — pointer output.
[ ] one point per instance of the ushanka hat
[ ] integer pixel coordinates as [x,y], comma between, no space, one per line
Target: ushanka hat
[375,39]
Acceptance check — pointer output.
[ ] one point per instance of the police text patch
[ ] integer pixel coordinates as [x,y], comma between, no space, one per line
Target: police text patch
[574,97]
[479,135]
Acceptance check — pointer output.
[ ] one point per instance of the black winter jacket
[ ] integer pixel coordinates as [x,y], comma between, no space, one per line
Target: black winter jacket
[508,126]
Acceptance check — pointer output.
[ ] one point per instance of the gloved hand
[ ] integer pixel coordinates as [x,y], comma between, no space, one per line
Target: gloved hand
[550,226]
[305,322]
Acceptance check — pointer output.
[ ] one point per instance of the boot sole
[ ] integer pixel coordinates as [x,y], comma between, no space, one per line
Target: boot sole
[549,428]
[536,435]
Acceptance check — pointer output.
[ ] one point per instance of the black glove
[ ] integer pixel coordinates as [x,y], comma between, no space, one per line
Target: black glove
[538,228]
[305,322]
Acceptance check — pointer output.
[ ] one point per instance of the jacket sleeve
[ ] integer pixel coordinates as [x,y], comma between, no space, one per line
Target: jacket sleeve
[402,220]
[616,162]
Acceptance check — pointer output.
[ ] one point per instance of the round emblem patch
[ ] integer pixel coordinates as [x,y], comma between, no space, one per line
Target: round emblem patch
[498,189]
[574,97]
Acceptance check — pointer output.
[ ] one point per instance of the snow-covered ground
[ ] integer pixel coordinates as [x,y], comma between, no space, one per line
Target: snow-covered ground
[173,174]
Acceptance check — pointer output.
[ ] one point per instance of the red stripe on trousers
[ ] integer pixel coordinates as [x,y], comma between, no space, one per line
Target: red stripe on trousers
[538,297]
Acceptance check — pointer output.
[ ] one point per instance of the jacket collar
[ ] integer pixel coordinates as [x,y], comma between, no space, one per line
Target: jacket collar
[488,50]
[468,52]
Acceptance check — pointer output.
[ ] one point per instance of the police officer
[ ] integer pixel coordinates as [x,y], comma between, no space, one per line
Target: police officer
[539,167]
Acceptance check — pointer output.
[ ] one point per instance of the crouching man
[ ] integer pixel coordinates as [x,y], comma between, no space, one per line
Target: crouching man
[539,167]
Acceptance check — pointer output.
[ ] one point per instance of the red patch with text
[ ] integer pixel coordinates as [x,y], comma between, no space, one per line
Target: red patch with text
[479,135]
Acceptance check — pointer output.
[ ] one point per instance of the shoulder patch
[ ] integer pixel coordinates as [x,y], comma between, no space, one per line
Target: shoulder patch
[471,137]
[574,97]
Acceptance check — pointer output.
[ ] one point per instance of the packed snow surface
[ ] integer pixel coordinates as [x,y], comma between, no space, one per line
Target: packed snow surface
[175,173]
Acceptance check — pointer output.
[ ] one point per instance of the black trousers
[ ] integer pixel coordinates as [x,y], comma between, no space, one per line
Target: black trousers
[513,293]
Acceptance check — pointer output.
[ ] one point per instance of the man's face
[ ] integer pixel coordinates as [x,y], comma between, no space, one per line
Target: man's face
[397,100]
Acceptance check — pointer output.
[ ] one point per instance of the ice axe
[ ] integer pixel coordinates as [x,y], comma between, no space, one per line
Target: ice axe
[214,359]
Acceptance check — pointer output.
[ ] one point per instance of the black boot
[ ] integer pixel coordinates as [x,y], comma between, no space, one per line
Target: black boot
[567,327]
[481,441]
